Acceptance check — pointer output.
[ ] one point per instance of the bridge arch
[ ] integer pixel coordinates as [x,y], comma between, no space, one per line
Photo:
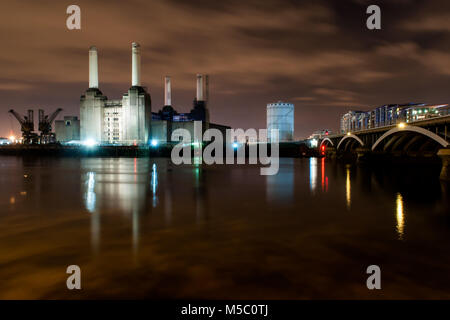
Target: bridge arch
[350,136]
[326,140]
[410,128]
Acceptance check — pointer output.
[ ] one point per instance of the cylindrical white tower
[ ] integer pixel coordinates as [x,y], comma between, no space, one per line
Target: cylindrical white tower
[136,64]
[167,92]
[93,67]
[200,87]
[280,116]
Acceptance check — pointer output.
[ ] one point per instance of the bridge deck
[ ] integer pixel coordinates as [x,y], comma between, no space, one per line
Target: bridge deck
[420,123]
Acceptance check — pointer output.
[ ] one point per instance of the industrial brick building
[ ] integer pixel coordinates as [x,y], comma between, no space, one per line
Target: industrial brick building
[68,129]
[130,121]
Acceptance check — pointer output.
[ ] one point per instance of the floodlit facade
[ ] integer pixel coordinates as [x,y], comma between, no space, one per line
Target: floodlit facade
[280,115]
[130,121]
[126,121]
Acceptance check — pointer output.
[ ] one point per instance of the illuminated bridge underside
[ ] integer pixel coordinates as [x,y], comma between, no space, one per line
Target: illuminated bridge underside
[350,142]
[409,138]
[327,142]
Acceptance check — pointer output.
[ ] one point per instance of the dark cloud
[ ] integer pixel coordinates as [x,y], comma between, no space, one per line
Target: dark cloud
[317,54]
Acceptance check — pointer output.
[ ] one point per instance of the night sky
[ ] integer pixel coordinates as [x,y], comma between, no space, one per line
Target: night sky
[317,54]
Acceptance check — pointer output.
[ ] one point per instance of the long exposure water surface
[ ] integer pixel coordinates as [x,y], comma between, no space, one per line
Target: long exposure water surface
[143,228]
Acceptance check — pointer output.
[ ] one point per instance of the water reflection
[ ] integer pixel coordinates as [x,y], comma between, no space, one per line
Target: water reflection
[90,201]
[168,200]
[154,183]
[133,187]
[324,177]
[118,185]
[66,203]
[135,231]
[197,160]
[198,153]
[312,174]
[90,192]
[280,187]
[400,216]
[348,188]
[200,193]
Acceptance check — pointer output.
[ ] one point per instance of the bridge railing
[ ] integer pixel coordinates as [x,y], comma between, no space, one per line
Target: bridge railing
[429,120]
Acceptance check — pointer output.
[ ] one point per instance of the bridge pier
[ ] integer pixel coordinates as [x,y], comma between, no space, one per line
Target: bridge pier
[363,154]
[330,153]
[444,154]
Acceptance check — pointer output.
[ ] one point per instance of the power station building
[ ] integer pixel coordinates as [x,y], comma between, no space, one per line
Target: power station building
[280,115]
[125,121]
[130,121]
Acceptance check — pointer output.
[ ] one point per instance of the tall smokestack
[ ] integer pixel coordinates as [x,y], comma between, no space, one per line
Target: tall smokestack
[93,67]
[136,64]
[200,87]
[167,92]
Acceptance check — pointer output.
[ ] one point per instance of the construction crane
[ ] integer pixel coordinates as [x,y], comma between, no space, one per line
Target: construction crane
[26,126]
[45,126]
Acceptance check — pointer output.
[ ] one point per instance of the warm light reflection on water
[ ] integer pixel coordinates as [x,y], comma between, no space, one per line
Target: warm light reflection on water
[400,216]
[145,228]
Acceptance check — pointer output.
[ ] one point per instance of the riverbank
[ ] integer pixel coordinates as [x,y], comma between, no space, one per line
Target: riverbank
[288,150]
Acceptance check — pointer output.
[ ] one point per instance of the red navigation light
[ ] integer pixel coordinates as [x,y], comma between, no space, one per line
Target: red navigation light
[326,132]
[322,147]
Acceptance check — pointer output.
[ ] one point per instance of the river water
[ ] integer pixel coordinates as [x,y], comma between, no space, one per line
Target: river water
[144,228]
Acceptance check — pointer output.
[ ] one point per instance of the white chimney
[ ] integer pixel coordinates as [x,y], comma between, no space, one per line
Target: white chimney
[136,64]
[167,92]
[200,87]
[93,67]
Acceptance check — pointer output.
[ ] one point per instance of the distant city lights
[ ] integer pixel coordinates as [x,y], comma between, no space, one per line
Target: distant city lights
[154,143]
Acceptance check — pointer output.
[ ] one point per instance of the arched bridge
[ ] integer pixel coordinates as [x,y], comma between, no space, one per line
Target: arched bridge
[420,138]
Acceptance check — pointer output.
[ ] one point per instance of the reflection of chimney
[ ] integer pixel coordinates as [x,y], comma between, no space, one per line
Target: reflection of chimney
[93,67]
[167,92]
[200,87]
[136,64]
